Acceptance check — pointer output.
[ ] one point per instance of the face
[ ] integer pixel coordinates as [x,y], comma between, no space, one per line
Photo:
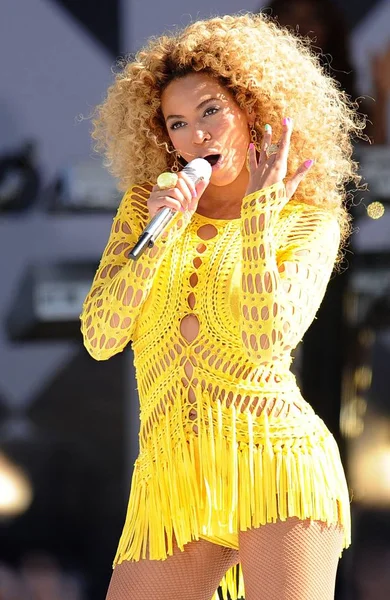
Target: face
[204,121]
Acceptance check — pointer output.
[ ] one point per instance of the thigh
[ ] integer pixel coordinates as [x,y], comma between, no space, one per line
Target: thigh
[290,560]
[191,574]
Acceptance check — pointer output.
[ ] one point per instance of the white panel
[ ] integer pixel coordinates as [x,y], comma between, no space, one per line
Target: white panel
[52,71]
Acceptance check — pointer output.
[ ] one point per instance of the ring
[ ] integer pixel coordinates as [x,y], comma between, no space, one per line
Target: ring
[272,149]
[166,181]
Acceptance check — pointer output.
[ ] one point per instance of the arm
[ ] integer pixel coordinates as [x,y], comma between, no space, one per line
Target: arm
[282,290]
[121,285]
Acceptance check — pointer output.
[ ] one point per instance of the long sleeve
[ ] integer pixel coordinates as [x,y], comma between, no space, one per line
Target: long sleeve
[121,285]
[282,287]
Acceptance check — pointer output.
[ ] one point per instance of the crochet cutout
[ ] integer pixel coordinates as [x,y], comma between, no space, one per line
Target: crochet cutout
[189,326]
[213,311]
[274,312]
[111,277]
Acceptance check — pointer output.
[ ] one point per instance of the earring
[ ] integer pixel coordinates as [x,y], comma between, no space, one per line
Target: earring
[175,166]
[254,138]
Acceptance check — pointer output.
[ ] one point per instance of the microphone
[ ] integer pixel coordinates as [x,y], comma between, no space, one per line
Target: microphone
[197,170]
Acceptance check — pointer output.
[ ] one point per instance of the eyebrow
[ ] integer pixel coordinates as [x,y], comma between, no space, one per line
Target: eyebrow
[203,103]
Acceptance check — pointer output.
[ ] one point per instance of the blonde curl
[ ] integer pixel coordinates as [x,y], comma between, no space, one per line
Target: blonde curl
[267,69]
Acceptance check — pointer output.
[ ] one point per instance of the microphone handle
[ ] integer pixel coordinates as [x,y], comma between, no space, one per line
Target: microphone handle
[195,170]
[160,220]
[152,230]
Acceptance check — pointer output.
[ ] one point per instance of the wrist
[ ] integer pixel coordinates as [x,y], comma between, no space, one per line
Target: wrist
[271,198]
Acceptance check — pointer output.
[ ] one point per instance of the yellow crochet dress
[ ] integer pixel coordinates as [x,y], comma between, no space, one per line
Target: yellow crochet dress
[213,311]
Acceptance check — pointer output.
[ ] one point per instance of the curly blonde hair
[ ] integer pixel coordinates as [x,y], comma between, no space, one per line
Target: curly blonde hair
[268,70]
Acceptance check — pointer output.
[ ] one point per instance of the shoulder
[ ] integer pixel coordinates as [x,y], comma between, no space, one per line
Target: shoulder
[310,216]
[300,221]
[137,194]
[133,206]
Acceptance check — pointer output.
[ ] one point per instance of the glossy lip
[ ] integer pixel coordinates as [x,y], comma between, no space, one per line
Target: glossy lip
[209,152]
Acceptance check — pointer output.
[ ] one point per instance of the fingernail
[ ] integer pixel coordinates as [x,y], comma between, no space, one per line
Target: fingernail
[268,128]
[286,121]
[182,209]
[251,146]
[194,194]
[308,163]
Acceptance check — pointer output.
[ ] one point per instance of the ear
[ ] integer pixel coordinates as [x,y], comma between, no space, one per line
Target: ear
[251,116]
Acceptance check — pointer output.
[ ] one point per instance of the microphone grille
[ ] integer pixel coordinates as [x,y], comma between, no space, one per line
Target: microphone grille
[198,169]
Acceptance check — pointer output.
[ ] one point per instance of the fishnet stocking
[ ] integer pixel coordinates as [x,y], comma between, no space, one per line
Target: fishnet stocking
[192,574]
[290,560]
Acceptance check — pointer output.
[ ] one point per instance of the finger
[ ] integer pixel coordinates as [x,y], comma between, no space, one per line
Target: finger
[252,159]
[174,194]
[292,184]
[162,202]
[284,144]
[190,184]
[200,188]
[267,139]
[183,186]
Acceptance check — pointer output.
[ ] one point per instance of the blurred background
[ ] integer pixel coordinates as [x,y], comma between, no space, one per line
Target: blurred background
[68,424]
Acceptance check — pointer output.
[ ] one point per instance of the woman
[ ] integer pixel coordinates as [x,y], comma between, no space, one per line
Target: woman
[234,466]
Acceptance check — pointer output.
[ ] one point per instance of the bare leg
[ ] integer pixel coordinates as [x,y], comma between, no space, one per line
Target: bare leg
[192,574]
[290,560]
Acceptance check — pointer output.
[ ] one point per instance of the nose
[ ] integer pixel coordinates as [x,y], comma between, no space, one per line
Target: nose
[200,135]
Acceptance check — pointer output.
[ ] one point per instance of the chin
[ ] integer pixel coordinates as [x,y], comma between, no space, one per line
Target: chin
[221,181]
[225,178]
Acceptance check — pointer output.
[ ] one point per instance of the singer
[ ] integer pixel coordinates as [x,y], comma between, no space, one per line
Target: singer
[237,482]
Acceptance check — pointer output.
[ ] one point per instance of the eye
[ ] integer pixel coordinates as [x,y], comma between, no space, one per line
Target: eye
[177,125]
[211,111]
[208,112]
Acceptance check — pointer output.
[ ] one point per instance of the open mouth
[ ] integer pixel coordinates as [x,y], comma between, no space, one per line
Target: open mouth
[212,158]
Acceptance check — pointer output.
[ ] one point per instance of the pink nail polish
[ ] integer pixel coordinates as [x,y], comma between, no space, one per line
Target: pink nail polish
[308,163]
[286,121]
[251,146]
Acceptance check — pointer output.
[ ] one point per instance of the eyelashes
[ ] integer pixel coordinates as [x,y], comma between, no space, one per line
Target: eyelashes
[212,110]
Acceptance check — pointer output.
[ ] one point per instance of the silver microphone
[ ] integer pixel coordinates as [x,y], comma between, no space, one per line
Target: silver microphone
[197,170]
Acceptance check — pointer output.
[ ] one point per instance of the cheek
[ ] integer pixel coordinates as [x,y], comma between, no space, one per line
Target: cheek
[236,130]
[180,139]
[173,137]
[245,138]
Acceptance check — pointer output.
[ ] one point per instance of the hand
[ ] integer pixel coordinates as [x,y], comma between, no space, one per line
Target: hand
[266,171]
[184,196]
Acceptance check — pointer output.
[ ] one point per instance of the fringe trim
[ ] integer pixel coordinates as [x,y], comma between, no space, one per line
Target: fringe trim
[187,486]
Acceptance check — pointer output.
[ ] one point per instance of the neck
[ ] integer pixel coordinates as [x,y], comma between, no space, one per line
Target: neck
[225,201]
